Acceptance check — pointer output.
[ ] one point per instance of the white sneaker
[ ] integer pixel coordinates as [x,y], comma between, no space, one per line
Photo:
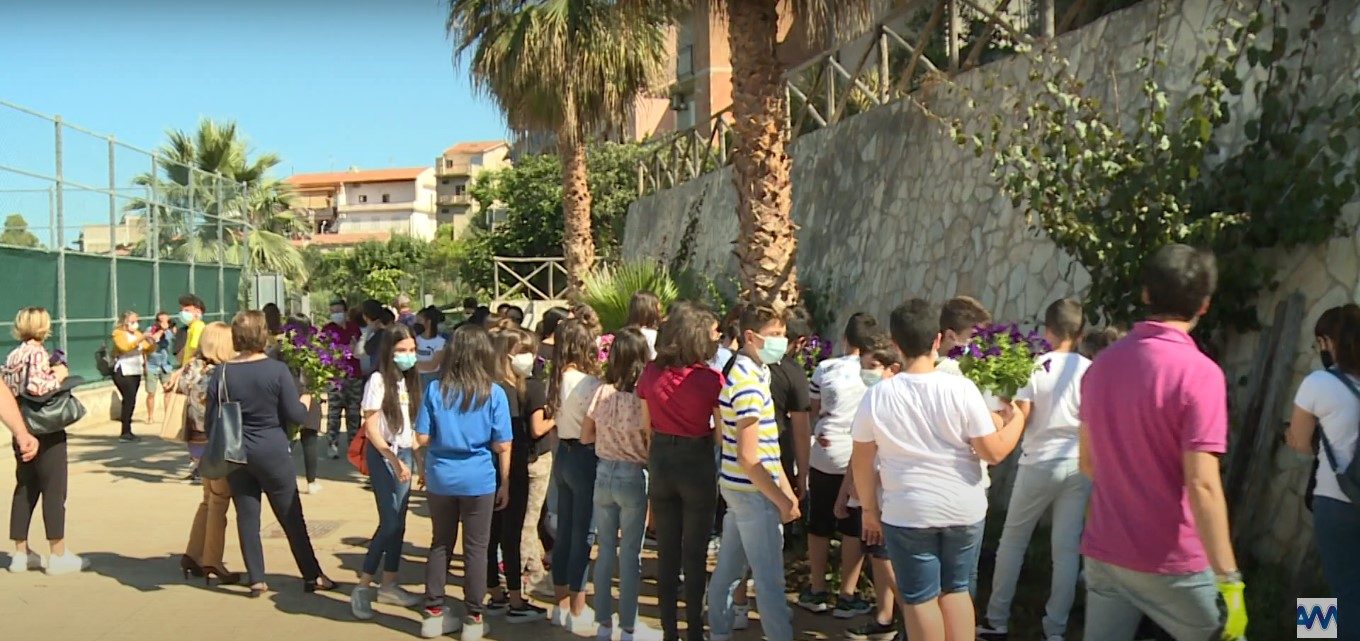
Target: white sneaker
[474,628]
[439,622]
[22,563]
[560,617]
[313,488]
[333,450]
[396,595]
[66,564]
[741,616]
[641,632]
[361,602]
[582,625]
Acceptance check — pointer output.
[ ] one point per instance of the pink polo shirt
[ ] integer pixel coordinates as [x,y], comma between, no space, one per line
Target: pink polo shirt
[1146,401]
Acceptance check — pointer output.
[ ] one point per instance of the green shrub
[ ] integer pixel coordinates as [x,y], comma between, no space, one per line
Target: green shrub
[609,288]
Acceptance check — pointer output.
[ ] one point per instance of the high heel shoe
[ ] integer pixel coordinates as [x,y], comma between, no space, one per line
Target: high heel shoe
[258,590]
[319,584]
[189,566]
[223,577]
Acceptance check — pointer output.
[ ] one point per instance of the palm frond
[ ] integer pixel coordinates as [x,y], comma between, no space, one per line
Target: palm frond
[609,289]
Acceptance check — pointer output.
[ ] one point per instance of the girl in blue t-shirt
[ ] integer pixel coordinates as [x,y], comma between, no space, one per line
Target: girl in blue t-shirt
[464,421]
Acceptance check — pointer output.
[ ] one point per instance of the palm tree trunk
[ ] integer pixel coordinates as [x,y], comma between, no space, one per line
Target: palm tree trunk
[578,245]
[766,244]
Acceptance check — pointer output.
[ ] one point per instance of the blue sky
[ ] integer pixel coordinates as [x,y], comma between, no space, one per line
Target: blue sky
[325,84]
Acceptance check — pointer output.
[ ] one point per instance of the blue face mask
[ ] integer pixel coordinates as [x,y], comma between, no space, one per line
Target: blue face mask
[404,361]
[187,316]
[773,349]
[870,376]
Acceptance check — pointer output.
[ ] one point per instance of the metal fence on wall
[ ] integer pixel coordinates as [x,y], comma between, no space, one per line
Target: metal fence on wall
[94,227]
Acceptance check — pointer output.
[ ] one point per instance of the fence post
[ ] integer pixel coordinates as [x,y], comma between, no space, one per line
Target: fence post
[1048,26]
[154,235]
[113,236]
[221,251]
[954,28]
[884,66]
[191,231]
[62,331]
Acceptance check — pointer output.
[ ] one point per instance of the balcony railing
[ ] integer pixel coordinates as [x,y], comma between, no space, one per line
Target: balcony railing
[917,45]
[453,169]
[455,199]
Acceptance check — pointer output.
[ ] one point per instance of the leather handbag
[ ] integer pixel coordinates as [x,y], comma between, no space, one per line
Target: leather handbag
[226,449]
[50,413]
[172,427]
[356,453]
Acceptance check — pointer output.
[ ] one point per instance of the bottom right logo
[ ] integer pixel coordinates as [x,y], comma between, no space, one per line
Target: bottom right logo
[1316,619]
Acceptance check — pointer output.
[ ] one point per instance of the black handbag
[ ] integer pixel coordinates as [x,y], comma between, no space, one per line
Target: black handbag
[50,413]
[226,449]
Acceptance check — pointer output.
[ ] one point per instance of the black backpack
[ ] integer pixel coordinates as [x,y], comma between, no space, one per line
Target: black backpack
[1349,478]
[104,361]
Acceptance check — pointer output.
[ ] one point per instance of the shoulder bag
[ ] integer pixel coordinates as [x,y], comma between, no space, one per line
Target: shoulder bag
[50,413]
[226,449]
[1349,478]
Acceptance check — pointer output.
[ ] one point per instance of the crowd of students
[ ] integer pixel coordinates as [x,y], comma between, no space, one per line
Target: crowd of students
[693,426]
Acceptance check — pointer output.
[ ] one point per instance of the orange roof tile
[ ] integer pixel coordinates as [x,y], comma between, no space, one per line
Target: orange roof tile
[368,176]
[349,238]
[475,147]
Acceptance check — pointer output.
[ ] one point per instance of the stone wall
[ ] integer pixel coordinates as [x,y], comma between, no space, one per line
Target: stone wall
[889,208]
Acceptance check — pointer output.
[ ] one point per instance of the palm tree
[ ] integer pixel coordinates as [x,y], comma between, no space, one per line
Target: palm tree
[209,176]
[566,66]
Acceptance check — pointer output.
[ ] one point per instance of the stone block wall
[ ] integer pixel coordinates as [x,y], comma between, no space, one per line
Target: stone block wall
[890,208]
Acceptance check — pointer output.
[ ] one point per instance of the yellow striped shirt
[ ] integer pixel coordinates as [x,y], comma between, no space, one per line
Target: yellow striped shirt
[746,394]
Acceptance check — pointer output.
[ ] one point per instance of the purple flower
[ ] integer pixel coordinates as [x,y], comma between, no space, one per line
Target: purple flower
[957,352]
[974,351]
[992,352]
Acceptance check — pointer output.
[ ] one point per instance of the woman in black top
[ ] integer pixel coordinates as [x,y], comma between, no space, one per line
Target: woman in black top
[269,399]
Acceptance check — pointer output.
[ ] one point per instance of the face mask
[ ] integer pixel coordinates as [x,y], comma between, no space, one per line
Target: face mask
[870,376]
[187,316]
[1327,360]
[132,327]
[404,361]
[523,364]
[338,318]
[773,350]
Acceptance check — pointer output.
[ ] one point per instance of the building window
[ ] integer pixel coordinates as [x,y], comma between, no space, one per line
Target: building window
[363,198]
[444,182]
[460,190]
[387,198]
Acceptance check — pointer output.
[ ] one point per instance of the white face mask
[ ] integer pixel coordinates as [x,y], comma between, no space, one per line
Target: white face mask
[132,326]
[338,318]
[523,364]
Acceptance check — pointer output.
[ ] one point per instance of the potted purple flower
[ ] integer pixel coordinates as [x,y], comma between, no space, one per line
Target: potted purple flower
[1000,359]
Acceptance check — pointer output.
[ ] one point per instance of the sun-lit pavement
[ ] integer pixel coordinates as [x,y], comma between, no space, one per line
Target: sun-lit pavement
[129,513]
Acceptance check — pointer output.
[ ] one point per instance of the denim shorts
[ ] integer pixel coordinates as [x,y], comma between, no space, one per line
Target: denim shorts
[932,561]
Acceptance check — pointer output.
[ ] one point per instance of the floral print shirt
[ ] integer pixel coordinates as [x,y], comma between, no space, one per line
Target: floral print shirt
[193,383]
[30,360]
[619,432]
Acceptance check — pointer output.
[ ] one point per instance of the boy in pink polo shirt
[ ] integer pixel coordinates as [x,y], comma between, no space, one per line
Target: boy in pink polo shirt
[1154,419]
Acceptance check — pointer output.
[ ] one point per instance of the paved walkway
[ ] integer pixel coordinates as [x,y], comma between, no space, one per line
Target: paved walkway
[129,513]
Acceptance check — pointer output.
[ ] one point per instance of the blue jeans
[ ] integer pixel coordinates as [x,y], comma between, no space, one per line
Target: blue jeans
[574,475]
[932,561]
[1038,486]
[620,504]
[392,498]
[752,537]
[1186,606]
[1336,528]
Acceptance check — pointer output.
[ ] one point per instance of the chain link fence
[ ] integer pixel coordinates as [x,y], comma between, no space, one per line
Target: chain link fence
[94,227]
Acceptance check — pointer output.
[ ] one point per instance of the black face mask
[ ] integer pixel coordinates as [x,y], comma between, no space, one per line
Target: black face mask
[1327,360]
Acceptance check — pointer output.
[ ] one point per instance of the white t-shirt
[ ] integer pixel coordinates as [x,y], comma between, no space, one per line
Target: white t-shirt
[577,390]
[1055,393]
[950,366]
[923,425]
[1326,397]
[837,384]
[650,335]
[428,349]
[398,437]
[132,363]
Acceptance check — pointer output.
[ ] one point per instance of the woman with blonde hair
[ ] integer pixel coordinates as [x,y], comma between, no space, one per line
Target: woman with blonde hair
[130,348]
[208,535]
[269,400]
[29,369]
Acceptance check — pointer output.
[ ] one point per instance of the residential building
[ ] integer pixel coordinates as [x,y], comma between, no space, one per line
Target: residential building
[367,203]
[97,239]
[456,169]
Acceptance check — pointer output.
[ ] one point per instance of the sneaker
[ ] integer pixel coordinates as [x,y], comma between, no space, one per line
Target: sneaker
[333,450]
[474,628]
[526,614]
[989,633]
[314,488]
[497,608]
[23,563]
[849,607]
[873,631]
[66,564]
[815,602]
[641,632]
[560,617]
[361,602]
[1054,637]
[438,622]
[741,616]
[604,633]
[129,437]
[582,624]
[396,595]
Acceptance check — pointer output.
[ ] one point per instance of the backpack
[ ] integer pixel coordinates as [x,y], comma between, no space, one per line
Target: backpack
[104,361]
[1349,478]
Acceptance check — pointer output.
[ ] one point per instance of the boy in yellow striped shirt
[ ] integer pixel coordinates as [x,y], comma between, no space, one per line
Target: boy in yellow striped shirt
[752,481]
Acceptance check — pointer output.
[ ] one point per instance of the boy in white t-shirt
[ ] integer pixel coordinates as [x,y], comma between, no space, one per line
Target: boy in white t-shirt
[927,430]
[1047,477]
